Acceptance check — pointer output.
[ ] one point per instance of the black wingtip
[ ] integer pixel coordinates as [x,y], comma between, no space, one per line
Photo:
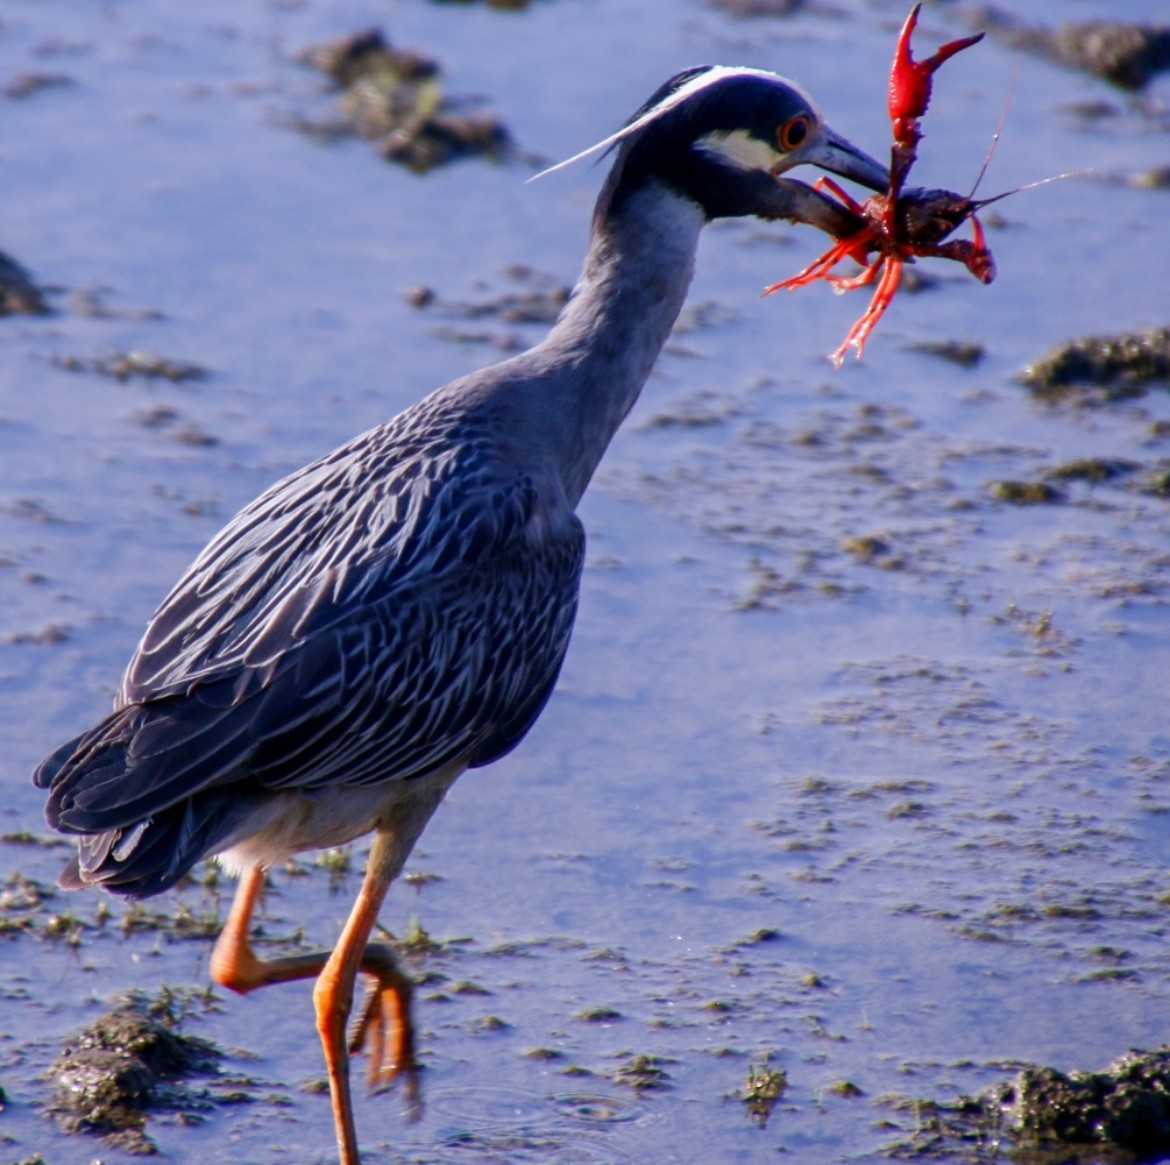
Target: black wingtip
[45,773]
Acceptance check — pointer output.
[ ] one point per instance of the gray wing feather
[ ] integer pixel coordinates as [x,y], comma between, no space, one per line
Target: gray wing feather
[348,627]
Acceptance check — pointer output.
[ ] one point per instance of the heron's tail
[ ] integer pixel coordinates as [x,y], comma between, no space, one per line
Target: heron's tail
[125,846]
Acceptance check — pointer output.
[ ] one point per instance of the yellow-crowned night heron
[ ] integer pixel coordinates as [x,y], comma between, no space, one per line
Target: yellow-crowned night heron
[398,611]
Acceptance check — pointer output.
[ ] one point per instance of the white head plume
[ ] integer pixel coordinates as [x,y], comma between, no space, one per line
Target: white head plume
[686,90]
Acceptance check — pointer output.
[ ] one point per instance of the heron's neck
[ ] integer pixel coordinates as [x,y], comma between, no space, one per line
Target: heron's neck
[589,371]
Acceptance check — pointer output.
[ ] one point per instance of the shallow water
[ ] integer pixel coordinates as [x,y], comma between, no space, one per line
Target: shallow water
[894,816]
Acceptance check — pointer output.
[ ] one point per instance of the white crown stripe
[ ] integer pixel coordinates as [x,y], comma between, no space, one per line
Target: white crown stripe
[682,93]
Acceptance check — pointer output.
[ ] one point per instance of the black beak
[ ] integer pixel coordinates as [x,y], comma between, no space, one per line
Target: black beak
[839,156]
[792,200]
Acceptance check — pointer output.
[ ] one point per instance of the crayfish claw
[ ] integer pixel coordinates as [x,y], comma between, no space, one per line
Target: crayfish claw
[910,80]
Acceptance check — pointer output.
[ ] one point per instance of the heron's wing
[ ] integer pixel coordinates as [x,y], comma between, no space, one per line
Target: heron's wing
[387,509]
[382,665]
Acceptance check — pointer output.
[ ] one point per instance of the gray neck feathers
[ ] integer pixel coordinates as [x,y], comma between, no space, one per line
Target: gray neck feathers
[568,395]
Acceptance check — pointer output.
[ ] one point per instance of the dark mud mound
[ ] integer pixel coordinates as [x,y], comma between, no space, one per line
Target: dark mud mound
[1125,1108]
[393,98]
[127,1061]
[1096,369]
[1125,55]
[19,295]
[1120,1116]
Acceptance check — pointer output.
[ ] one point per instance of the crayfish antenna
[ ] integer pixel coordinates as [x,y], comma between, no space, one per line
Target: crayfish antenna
[979,203]
[1007,104]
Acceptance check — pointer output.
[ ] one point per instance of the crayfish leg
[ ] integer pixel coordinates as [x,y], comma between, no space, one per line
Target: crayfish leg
[883,294]
[842,283]
[819,268]
[980,262]
[972,254]
[824,182]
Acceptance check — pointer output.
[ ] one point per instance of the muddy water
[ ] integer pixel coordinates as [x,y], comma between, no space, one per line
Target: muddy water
[854,766]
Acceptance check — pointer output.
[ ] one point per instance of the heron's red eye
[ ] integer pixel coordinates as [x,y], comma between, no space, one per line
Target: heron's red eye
[790,135]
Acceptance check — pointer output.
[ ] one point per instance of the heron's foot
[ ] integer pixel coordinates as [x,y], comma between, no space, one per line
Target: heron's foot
[385,1027]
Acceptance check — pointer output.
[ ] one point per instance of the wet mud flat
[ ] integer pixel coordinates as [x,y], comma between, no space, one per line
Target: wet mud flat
[853,799]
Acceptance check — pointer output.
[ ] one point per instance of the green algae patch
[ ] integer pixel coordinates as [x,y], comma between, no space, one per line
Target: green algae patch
[763,1090]
[525,298]
[600,1015]
[872,550]
[642,1072]
[1026,493]
[1156,482]
[1093,469]
[132,365]
[964,354]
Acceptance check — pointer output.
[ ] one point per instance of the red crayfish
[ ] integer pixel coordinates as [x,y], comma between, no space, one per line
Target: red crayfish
[900,225]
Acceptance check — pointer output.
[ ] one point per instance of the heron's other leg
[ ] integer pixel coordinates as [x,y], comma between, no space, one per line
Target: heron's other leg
[385,1027]
[333,994]
[234,964]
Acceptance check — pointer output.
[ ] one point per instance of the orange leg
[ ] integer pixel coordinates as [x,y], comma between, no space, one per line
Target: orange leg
[385,1025]
[385,1028]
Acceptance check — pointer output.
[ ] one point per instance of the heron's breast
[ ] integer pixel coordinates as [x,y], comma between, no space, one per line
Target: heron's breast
[291,821]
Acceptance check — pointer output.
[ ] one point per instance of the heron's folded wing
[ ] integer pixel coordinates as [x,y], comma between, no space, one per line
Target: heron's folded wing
[381,667]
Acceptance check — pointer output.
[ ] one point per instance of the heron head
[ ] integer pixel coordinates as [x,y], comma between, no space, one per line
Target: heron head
[722,137]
